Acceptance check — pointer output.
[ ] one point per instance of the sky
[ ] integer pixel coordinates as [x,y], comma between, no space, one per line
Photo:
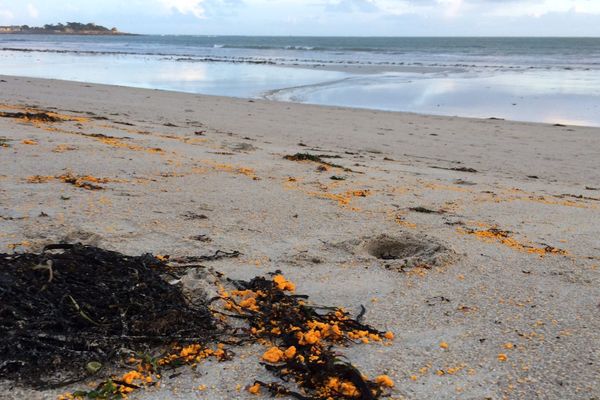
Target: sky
[319,17]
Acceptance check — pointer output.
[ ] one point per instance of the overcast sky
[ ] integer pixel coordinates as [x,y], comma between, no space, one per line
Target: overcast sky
[319,17]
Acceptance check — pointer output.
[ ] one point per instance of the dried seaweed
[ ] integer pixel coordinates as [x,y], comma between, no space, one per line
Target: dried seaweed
[425,210]
[304,157]
[464,169]
[311,157]
[40,117]
[75,304]
[459,169]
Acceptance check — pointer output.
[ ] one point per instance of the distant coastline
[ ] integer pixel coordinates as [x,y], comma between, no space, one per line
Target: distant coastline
[70,28]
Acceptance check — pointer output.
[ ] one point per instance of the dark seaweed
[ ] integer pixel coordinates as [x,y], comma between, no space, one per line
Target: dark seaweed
[72,304]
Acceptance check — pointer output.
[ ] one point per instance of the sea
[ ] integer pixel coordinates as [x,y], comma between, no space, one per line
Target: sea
[550,80]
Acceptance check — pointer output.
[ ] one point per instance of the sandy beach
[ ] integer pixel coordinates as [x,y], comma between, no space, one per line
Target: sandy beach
[474,240]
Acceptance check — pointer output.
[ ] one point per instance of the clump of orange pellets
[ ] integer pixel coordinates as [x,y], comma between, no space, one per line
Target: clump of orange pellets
[299,338]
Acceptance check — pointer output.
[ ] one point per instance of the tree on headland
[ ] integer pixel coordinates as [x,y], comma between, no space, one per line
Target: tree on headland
[60,28]
[75,27]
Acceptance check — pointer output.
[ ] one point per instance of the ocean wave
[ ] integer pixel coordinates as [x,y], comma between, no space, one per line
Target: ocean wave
[300,48]
[312,48]
[310,58]
[274,47]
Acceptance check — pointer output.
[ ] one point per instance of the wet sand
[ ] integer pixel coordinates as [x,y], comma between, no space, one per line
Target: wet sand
[482,234]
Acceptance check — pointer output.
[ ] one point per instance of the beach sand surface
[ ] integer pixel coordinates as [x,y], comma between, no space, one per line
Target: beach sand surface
[480,234]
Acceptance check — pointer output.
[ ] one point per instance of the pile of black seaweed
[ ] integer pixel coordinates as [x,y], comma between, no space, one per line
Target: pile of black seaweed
[74,305]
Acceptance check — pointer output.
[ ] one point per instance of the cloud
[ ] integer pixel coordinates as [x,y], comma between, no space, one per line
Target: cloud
[537,8]
[449,8]
[459,8]
[202,8]
[352,6]
[33,11]
[221,8]
[6,15]
[453,8]
[193,7]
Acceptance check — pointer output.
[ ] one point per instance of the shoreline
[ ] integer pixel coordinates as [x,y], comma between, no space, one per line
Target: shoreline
[271,95]
[561,96]
[283,102]
[545,130]
[479,234]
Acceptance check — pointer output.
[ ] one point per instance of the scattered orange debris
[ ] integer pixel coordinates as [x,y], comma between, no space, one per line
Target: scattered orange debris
[384,380]
[61,148]
[193,354]
[129,378]
[88,182]
[290,352]
[13,246]
[504,237]
[343,199]
[249,172]
[284,284]
[273,355]
[400,219]
[254,389]
[29,142]
[116,142]
[450,370]
[39,179]
[335,385]
[310,337]
[502,357]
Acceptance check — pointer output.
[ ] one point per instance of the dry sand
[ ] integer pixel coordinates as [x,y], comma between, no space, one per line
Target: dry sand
[453,279]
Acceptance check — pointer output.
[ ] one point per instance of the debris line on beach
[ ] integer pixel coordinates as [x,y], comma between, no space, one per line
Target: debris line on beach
[311,157]
[31,116]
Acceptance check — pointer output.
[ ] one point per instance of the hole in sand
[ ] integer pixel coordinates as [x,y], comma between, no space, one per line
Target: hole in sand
[392,249]
[409,250]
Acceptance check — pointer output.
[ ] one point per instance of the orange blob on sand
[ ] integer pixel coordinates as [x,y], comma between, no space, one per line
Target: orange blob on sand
[273,355]
[384,380]
[254,389]
[284,284]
